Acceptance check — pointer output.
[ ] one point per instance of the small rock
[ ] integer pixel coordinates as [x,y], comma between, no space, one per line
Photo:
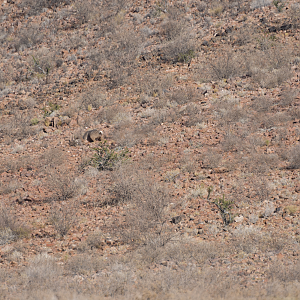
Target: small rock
[65,119]
[54,114]
[73,123]
[239,219]
[176,220]
[164,263]
[272,29]
[278,209]
[285,26]
[73,246]
[48,129]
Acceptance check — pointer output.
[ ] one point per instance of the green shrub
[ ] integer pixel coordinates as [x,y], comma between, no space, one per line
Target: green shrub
[279,5]
[186,57]
[52,108]
[34,121]
[106,158]
[225,207]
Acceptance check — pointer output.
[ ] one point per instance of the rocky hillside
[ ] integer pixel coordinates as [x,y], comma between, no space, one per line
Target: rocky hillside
[192,191]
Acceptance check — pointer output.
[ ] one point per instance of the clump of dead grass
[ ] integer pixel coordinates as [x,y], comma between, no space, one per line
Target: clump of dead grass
[10,228]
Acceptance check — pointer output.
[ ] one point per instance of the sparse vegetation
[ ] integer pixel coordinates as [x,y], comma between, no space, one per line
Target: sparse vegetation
[279,5]
[63,185]
[10,229]
[63,217]
[225,206]
[187,95]
[294,158]
[50,108]
[106,158]
[34,121]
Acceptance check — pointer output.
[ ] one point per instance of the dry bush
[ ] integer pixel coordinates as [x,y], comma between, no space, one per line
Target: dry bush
[211,159]
[63,216]
[260,188]
[171,29]
[124,186]
[192,115]
[271,79]
[262,104]
[164,116]
[234,115]
[96,58]
[154,86]
[71,110]
[74,41]
[147,219]
[10,228]
[93,98]
[35,7]
[247,239]
[288,96]
[63,185]
[131,135]
[28,37]
[250,240]
[180,43]
[260,163]
[294,113]
[198,252]
[294,158]
[269,68]
[250,188]
[52,158]
[182,49]
[189,163]
[260,3]
[272,120]
[243,35]
[170,176]
[147,203]
[120,54]
[108,114]
[18,126]
[294,15]
[25,162]
[27,103]
[42,62]
[12,186]
[280,272]
[42,271]
[281,134]
[232,142]
[95,240]
[224,66]
[126,137]
[84,10]
[123,119]
[268,209]
[201,6]
[84,264]
[229,113]
[184,95]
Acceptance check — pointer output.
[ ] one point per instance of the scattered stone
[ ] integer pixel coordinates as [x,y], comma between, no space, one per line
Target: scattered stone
[239,219]
[176,220]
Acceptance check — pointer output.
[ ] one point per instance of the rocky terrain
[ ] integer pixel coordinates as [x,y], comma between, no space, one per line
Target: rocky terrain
[192,191]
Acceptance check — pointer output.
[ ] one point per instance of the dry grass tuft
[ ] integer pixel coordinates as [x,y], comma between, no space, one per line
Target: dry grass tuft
[10,228]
